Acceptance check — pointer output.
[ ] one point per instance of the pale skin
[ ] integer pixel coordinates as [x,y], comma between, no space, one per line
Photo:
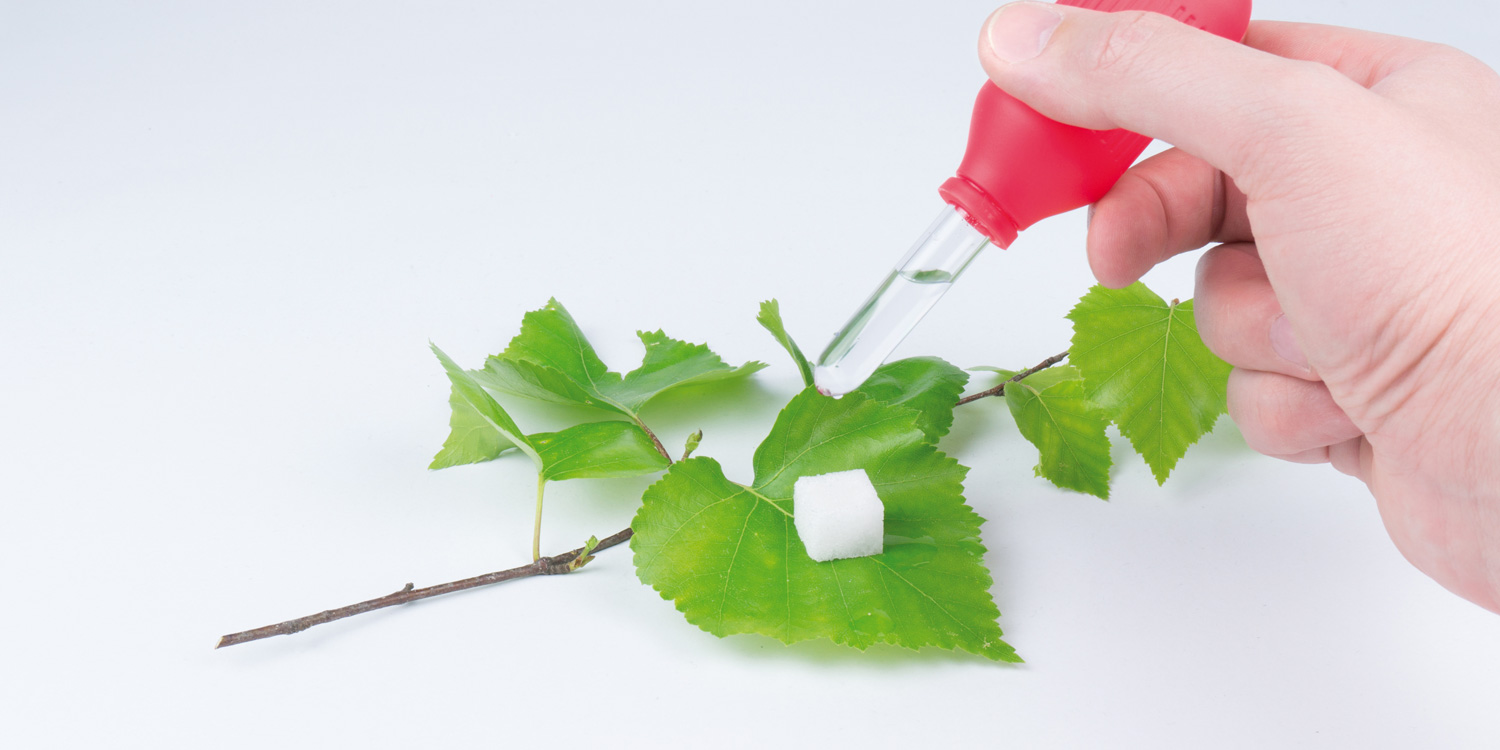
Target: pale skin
[1353,181]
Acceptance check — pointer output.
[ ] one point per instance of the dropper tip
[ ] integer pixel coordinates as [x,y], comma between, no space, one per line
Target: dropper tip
[833,381]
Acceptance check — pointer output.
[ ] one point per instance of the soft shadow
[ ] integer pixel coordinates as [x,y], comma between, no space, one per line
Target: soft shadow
[987,418]
[735,409]
[1224,440]
[1201,470]
[824,652]
[730,400]
[541,416]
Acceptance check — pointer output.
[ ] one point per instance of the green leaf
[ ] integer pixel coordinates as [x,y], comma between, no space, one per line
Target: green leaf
[473,409]
[1068,431]
[551,360]
[669,364]
[596,450]
[927,384]
[471,439]
[482,431]
[730,557]
[538,382]
[1144,363]
[770,319]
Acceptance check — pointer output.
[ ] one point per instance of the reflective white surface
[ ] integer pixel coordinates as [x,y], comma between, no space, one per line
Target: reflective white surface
[227,234]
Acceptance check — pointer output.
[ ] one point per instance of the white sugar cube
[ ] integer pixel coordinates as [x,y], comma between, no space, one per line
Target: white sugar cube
[839,515]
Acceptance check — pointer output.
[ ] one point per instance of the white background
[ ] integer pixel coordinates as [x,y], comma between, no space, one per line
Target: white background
[228,231]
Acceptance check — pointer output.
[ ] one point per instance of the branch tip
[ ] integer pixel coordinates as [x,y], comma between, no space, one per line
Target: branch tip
[999,390]
[554,565]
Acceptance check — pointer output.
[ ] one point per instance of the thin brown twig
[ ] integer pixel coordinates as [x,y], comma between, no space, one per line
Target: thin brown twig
[662,449]
[1000,389]
[554,565]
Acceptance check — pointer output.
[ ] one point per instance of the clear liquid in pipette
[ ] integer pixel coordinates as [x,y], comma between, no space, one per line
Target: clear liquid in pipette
[890,313]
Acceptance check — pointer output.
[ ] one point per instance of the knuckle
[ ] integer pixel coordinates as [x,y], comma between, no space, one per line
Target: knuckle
[1310,78]
[1305,121]
[1125,40]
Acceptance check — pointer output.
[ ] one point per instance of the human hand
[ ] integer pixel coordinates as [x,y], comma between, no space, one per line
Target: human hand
[1354,181]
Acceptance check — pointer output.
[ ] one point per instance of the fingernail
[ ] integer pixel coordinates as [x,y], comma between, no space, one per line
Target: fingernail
[1285,343]
[1020,31]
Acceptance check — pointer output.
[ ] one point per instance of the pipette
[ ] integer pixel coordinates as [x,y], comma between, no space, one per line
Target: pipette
[1019,168]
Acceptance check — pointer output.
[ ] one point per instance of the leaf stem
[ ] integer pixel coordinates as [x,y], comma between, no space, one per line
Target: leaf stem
[662,449]
[536,527]
[999,390]
[554,565]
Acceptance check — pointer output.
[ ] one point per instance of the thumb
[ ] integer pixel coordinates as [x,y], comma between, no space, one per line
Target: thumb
[1225,103]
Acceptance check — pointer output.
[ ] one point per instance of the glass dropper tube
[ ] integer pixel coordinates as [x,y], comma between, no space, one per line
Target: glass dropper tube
[937,259]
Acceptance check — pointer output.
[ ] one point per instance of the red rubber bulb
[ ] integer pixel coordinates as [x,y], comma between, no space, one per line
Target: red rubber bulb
[1021,167]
